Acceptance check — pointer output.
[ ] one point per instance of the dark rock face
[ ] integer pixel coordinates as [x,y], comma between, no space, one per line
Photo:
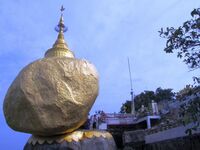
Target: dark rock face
[133,136]
[87,144]
[78,140]
[182,143]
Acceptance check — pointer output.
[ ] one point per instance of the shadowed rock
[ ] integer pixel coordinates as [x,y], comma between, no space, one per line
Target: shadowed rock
[77,140]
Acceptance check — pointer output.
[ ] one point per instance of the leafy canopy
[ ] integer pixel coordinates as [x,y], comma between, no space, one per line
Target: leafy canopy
[185,39]
[146,97]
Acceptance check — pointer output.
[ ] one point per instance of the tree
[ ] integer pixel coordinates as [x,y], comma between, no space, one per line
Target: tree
[126,107]
[164,94]
[186,41]
[190,110]
[145,98]
[188,90]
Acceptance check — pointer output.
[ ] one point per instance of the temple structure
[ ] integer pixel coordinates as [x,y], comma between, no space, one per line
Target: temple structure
[138,120]
[60,47]
[51,97]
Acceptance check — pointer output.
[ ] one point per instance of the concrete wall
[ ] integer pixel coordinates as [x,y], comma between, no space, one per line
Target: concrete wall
[168,134]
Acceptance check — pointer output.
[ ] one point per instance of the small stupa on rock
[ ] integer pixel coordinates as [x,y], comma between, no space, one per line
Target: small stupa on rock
[51,98]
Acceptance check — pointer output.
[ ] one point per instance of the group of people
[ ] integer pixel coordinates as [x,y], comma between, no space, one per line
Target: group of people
[91,123]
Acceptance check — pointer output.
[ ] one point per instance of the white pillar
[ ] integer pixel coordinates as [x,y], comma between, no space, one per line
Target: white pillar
[154,107]
[133,107]
[132,104]
[148,123]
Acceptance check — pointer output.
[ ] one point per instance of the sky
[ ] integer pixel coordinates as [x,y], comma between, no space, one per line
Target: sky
[104,32]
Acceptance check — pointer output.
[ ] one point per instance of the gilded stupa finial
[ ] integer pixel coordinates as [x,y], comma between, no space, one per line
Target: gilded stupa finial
[60,47]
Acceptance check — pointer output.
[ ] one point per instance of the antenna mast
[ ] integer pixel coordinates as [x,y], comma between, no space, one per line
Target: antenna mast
[132,96]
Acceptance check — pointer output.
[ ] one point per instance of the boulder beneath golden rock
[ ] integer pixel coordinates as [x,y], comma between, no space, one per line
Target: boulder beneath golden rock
[77,140]
[51,96]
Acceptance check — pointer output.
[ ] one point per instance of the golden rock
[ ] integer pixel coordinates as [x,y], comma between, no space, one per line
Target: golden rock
[51,96]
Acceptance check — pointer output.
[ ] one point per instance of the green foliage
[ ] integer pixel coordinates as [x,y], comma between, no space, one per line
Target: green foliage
[185,39]
[161,94]
[146,97]
[190,111]
[188,90]
[126,107]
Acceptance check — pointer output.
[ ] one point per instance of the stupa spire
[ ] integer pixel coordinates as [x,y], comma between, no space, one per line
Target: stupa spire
[60,47]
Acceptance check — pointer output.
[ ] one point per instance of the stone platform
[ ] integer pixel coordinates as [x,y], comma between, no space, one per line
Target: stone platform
[77,140]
